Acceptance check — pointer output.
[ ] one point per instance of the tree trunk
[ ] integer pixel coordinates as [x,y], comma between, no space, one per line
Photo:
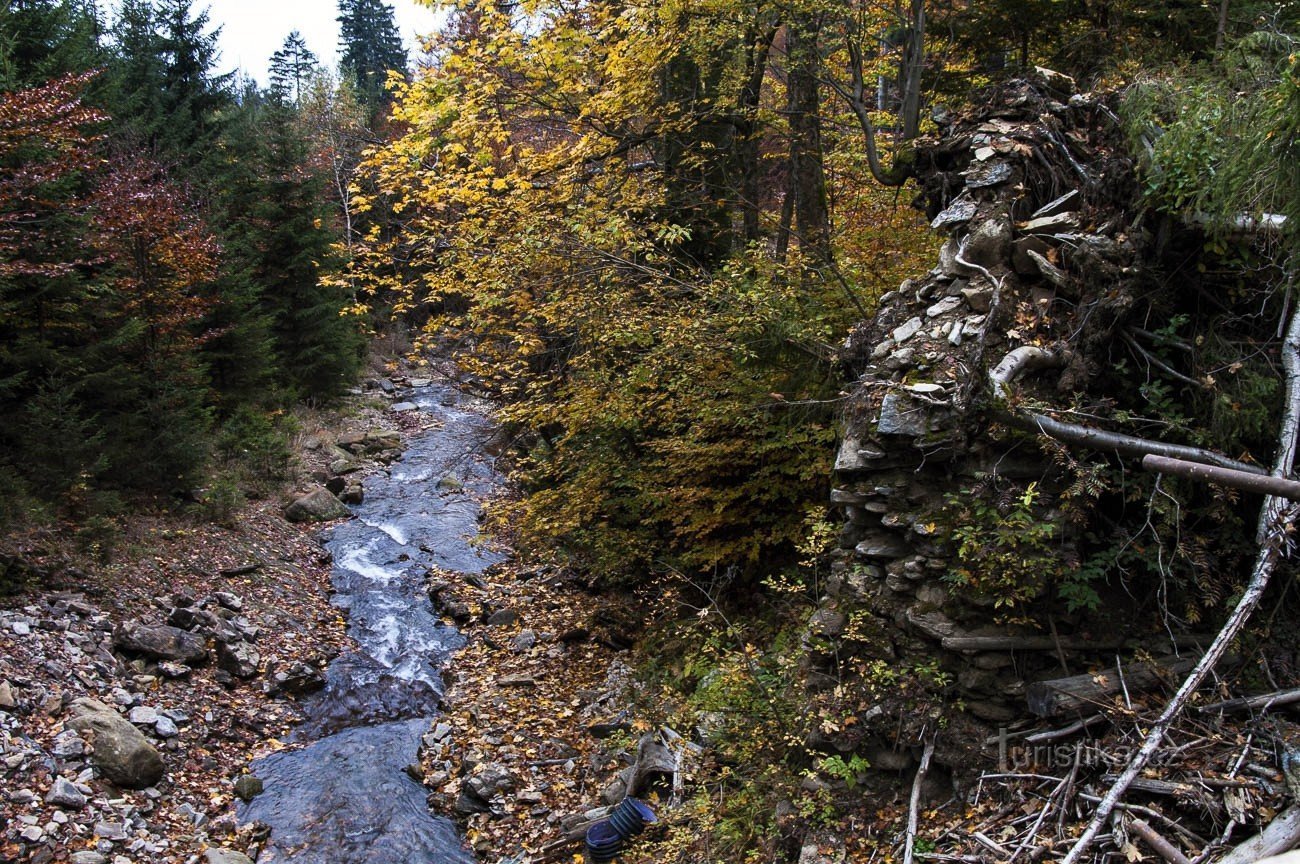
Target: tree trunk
[807,178]
[913,65]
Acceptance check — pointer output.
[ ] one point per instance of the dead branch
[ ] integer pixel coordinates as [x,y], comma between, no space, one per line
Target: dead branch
[1247,482]
[1262,702]
[1272,536]
[914,808]
[1028,357]
[1152,838]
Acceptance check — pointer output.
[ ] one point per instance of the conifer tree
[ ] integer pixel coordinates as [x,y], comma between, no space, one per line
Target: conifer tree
[372,47]
[292,68]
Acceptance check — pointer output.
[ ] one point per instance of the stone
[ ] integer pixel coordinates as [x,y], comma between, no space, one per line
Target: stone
[987,174]
[906,331]
[503,618]
[64,794]
[222,855]
[143,715]
[21,628]
[899,415]
[160,642]
[934,624]
[88,856]
[881,546]
[518,680]
[298,679]
[353,494]
[68,744]
[848,496]
[230,601]
[450,483]
[1056,206]
[853,455]
[488,781]
[32,834]
[319,505]
[238,658]
[121,753]
[403,407]
[827,622]
[7,700]
[979,299]
[959,212]
[110,830]
[524,641]
[943,307]
[165,727]
[988,243]
[1054,224]
[247,787]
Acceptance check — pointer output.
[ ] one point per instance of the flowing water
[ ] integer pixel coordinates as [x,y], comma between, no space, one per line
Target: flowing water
[345,797]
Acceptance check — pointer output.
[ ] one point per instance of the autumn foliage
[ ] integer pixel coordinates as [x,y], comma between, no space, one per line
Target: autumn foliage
[586,206]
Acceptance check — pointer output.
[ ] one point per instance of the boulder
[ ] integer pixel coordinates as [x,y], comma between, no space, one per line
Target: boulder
[160,642]
[238,658]
[317,506]
[121,753]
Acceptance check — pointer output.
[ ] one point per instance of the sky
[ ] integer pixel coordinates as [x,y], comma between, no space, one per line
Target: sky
[253,30]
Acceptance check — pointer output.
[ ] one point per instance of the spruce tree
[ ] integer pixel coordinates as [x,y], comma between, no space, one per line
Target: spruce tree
[292,69]
[372,47]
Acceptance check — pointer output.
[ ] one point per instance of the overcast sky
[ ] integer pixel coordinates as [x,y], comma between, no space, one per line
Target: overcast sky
[252,30]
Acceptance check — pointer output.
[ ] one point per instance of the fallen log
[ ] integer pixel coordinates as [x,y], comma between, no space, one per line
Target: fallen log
[1229,477]
[1087,691]
[1152,838]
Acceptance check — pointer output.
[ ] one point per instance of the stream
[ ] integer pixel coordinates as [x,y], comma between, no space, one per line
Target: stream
[345,796]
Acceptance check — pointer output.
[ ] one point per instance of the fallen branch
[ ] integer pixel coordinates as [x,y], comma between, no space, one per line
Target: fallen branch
[1089,690]
[1028,357]
[1263,702]
[1152,838]
[914,808]
[1246,481]
[1272,537]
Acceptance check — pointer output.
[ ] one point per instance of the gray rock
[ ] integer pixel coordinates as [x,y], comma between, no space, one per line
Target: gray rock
[143,715]
[317,506]
[943,307]
[248,787]
[21,628]
[160,642]
[230,601]
[490,780]
[239,659]
[64,794]
[165,727]
[899,415]
[32,834]
[960,211]
[882,546]
[519,680]
[827,622]
[68,744]
[979,299]
[853,455]
[1053,224]
[7,700]
[298,679]
[934,624]
[987,174]
[402,407]
[354,494]
[988,244]
[503,618]
[122,754]
[215,855]
[88,856]
[906,331]
[197,818]
[524,641]
[110,830]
